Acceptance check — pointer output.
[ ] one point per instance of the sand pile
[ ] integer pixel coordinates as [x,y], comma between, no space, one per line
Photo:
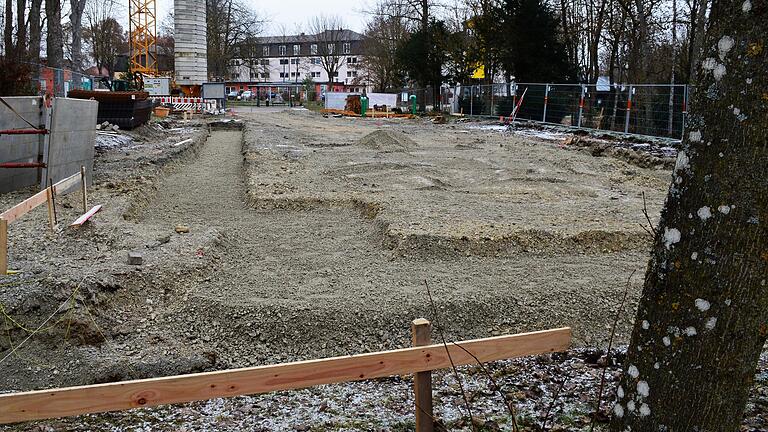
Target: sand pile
[387,141]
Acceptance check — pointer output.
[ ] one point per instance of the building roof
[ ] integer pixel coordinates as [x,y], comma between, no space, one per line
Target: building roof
[346,35]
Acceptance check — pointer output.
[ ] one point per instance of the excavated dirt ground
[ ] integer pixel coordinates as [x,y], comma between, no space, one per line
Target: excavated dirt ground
[312,236]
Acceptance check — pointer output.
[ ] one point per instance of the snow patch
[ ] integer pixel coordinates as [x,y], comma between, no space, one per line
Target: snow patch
[643,389]
[683,162]
[671,236]
[620,392]
[702,305]
[725,44]
[631,405]
[695,136]
[704,213]
[719,72]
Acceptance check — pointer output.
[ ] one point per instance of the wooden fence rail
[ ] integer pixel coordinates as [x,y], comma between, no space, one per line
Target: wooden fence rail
[44,196]
[62,402]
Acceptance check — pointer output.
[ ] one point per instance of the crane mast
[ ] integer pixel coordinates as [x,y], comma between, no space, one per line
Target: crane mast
[142,27]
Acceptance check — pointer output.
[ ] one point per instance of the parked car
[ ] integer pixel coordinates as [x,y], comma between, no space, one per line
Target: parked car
[232,95]
[247,95]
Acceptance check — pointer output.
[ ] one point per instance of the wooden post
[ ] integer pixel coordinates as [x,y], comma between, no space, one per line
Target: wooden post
[85,190]
[3,247]
[49,198]
[421,330]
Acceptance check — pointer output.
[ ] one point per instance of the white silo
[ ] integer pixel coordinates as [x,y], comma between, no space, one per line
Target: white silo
[190,54]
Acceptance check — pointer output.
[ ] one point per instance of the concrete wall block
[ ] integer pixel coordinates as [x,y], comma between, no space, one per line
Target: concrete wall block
[20,148]
[73,133]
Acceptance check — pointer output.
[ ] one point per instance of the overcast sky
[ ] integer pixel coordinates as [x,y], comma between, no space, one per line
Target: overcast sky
[294,13]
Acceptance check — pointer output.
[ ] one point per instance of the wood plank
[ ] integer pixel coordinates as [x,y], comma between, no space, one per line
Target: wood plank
[64,186]
[34,405]
[37,199]
[421,333]
[83,218]
[25,206]
[3,247]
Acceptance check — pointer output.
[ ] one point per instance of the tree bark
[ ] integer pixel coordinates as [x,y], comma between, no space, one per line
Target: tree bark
[76,20]
[35,30]
[55,43]
[21,30]
[8,31]
[703,317]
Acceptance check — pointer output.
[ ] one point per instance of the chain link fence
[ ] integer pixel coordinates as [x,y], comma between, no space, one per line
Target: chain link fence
[57,82]
[644,109]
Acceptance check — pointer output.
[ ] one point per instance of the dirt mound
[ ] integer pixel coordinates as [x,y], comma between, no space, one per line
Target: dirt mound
[387,141]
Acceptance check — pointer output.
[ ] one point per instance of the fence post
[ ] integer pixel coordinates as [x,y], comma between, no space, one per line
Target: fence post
[3,247]
[581,103]
[546,99]
[629,109]
[421,332]
[684,111]
[471,100]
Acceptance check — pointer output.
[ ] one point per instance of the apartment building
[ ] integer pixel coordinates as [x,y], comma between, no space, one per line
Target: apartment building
[287,60]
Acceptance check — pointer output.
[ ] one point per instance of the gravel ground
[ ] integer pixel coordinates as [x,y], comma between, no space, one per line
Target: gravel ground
[311,237]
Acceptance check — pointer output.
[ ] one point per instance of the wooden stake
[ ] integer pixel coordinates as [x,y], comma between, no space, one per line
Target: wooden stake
[3,247]
[84,187]
[421,331]
[49,198]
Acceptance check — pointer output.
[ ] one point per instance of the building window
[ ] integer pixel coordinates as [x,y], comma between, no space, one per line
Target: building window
[314,60]
[351,59]
[296,50]
[347,47]
[283,61]
[295,74]
[265,75]
[330,48]
[265,50]
[281,50]
[313,49]
[265,62]
[315,74]
[294,61]
[283,74]
[336,74]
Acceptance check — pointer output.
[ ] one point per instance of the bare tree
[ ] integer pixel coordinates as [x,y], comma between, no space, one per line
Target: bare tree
[229,22]
[329,34]
[77,8]
[701,322]
[104,35]
[54,37]
[383,35]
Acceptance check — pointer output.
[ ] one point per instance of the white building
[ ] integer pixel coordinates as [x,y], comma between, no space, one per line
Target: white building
[289,60]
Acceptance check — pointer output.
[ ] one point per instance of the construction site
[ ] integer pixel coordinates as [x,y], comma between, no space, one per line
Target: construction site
[182,260]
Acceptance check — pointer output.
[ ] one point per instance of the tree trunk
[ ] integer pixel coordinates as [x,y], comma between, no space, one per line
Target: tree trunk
[671,104]
[55,43]
[35,30]
[21,30]
[8,31]
[697,42]
[703,317]
[76,20]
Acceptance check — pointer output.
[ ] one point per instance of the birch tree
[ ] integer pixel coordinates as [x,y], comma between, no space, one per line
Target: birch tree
[703,317]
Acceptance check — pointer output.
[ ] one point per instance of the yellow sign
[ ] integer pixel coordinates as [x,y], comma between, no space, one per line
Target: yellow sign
[479,72]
